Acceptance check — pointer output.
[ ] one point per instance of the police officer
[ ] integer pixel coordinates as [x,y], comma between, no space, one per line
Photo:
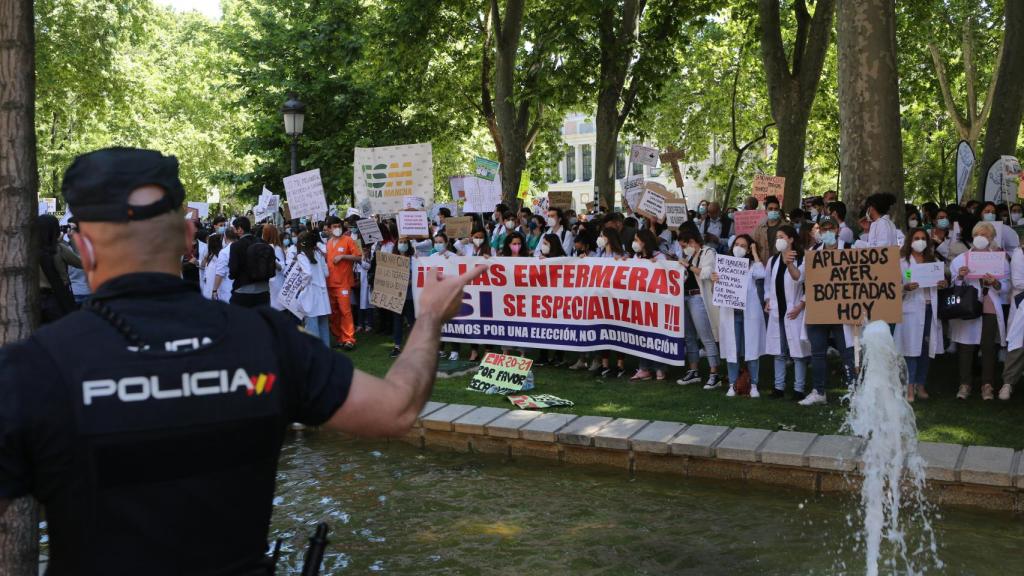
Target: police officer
[149,424]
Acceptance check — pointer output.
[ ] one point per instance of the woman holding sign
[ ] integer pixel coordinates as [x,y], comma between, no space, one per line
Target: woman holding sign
[919,336]
[742,334]
[784,302]
[989,276]
[313,300]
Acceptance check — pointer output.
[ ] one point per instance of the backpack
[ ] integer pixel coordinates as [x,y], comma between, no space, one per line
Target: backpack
[260,261]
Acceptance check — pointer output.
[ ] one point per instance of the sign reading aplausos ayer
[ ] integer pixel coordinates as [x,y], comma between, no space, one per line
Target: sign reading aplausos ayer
[853,286]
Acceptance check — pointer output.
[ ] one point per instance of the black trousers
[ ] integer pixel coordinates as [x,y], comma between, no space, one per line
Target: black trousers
[250,300]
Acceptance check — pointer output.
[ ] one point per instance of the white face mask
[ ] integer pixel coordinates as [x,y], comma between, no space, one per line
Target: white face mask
[1014,217]
[440,246]
[739,251]
[552,222]
[912,223]
[918,245]
[637,247]
[403,246]
[781,245]
[602,241]
[689,251]
[337,232]
[478,242]
[545,248]
[980,242]
[814,214]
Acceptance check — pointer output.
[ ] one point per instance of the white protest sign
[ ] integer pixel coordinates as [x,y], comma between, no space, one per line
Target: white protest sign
[981,263]
[369,231]
[675,213]
[384,176]
[413,202]
[294,282]
[926,274]
[413,223]
[391,282]
[646,155]
[482,195]
[458,186]
[305,193]
[47,206]
[733,278]
[964,164]
[652,205]
[632,189]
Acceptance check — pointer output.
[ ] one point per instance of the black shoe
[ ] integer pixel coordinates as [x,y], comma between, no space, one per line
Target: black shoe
[776,393]
[607,373]
[620,373]
[798,396]
[348,346]
[395,352]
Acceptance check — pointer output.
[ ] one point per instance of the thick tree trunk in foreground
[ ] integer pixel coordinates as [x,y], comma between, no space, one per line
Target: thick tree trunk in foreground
[791,89]
[19,538]
[1008,100]
[869,106]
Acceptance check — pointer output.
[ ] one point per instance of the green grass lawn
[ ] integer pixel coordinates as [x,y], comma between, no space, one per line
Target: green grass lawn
[942,418]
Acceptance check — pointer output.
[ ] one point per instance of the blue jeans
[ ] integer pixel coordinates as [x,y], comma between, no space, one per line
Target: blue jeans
[753,366]
[917,366]
[698,330]
[819,334]
[800,364]
[320,327]
[408,314]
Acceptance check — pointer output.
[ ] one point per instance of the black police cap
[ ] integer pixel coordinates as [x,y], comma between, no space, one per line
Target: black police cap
[97,185]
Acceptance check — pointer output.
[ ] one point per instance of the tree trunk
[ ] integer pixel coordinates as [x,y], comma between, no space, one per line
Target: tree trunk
[1008,100]
[19,283]
[512,123]
[789,160]
[605,151]
[869,106]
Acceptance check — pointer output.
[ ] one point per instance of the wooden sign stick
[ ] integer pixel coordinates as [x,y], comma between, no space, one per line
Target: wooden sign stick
[672,157]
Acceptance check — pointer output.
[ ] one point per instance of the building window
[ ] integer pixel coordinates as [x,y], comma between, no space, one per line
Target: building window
[620,162]
[570,164]
[588,164]
[638,168]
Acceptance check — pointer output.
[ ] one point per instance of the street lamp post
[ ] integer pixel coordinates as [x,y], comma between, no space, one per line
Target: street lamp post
[294,114]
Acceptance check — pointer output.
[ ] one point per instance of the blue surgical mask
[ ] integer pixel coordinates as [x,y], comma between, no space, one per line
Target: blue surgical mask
[943,223]
[533,225]
[287,241]
[702,209]
[773,215]
[828,238]
[439,247]
[221,229]
[989,217]
[573,221]
[403,246]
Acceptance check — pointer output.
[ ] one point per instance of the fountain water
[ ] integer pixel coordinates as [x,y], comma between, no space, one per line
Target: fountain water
[896,515]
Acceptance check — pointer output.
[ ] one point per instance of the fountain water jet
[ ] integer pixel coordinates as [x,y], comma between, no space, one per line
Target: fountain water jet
[892,493]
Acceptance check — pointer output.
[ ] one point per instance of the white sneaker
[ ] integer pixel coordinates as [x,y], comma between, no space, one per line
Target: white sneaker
[964,392]
[731,392]
[1005,391]
[754,393]
[813,398]
[453,356]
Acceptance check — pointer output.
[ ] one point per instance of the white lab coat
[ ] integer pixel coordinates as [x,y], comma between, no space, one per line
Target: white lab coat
[277,282]
[1006,238]
[313,299]
[706,262]
[1015,323]
[753,323]
[910,331]
[798,347]
[882,233]
[969,331]
[221,269]
[565,235]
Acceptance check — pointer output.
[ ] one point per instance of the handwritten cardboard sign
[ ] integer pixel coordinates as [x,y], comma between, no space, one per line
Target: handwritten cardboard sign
[982,263]
[369,230]
[765,186]
[413,223]
[652,204]
[305,193]
[646,155]
[562,200]
[502,372]
[675,213]
[460,227]
[747,220]
[733,278]
[853,286]
[391,282]
[632,190]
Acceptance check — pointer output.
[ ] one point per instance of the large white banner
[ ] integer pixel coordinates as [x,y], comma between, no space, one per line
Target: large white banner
[581,304]
[383,176]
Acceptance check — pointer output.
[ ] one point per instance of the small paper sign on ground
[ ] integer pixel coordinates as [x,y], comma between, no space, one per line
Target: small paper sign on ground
[501,371]
[486,169]
[765,186]
[675,213]
[747,220]
[982,263]
[460,227]
[652,205]
[733,278]
[561,200]
[391,282]
[854,286]
[369,230]
[539,401]
[926,274]
[646,155]
[413,223]
[305,193]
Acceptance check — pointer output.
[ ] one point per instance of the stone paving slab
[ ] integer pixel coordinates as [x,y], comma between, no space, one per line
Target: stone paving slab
[473,422]
[429,408]
[508,426]
[787,448]
[987,465]
[442,419]
[582,430]
[830,452]
[940,460]
[654,438]
[741,444]
[543,427]
[617,433]
[697,440]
